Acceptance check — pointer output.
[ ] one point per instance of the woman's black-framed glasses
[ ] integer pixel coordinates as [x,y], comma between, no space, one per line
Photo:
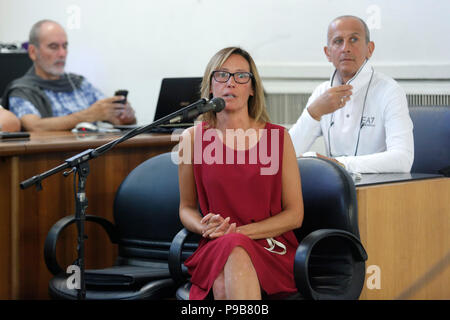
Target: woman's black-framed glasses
[239,77]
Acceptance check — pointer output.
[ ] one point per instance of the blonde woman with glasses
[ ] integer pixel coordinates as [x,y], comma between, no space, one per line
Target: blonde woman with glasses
[239,188]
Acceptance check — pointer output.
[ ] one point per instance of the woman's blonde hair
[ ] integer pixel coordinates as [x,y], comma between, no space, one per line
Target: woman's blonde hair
[256,103]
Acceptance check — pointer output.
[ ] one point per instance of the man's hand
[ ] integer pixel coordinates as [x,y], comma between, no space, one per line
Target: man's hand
[109,110]
[126,115]
[331,159]
[329,101]
[104,110]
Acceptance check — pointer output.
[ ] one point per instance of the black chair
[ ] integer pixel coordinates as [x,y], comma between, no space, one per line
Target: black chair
[330,259]
[146,219]
[431,139]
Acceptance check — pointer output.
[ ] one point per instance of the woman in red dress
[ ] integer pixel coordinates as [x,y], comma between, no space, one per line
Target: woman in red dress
[239,188]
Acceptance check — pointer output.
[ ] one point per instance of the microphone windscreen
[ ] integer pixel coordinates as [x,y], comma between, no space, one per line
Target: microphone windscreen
[219,104]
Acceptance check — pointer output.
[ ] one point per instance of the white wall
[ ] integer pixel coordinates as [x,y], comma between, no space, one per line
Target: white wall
[134,44]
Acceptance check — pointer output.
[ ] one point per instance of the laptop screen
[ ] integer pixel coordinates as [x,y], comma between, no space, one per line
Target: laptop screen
[175,94]
[12,66]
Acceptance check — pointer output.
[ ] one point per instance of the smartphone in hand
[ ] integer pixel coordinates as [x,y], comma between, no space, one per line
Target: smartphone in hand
[122,93]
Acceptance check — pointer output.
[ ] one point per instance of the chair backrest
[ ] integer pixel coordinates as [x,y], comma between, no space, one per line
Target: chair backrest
[146,210]
[329,197]
[431,138]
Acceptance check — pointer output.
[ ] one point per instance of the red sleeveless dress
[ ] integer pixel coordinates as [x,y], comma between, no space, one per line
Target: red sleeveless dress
[238,189]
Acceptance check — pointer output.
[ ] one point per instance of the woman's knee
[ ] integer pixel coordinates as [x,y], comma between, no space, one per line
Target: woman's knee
[240,256]
[241,279]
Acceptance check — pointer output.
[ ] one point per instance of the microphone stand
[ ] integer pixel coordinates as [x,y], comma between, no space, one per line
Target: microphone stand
[79,165]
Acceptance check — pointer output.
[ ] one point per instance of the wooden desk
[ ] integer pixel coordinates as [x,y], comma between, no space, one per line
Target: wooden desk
[405,228]
[27,215]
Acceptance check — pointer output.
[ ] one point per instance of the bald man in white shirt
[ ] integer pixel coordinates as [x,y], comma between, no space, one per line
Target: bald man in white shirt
[362,114]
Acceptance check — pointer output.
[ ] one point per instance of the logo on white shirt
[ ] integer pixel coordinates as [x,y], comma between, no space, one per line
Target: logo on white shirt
[368,121]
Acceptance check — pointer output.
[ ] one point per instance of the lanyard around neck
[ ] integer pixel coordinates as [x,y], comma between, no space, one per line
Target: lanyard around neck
[361,123]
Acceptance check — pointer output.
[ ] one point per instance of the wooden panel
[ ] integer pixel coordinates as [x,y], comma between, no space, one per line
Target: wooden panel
[63,141]
[405,228]
[5,227]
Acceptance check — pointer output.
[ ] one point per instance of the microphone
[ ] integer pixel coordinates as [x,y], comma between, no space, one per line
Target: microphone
[197,108]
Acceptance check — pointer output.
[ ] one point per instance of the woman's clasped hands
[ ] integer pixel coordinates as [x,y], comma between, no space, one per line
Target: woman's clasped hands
[215,226]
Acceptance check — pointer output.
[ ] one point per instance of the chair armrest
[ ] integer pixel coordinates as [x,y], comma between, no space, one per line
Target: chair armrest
[176,270]
[303,253]
[53,235]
